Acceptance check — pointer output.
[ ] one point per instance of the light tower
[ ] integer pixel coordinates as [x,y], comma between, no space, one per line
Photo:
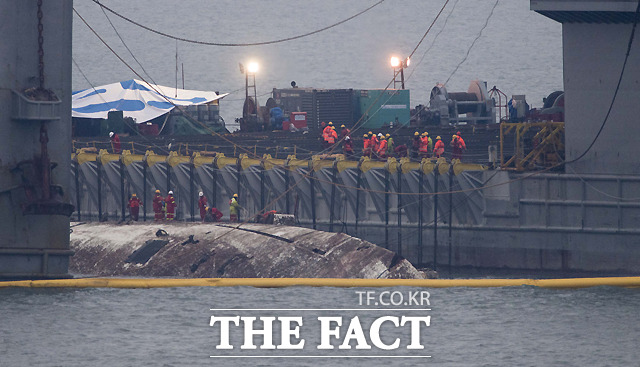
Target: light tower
[398,67]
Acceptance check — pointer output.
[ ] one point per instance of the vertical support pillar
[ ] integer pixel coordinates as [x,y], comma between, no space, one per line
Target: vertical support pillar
[420,214]
[334,178]
[436,175]
[386,208]
[77,172]
[239,185]
[262,194]
[144,189]
[312,192]
[399,250]
[357,211]
[168,177]
[214,184]
[450,214]
[191,191]
[99,178]
[122,199]
[287,186]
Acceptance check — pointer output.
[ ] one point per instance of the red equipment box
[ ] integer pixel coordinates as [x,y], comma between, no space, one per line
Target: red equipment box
[298,119]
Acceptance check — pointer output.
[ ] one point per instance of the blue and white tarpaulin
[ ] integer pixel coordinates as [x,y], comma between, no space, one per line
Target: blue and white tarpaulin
[136,99]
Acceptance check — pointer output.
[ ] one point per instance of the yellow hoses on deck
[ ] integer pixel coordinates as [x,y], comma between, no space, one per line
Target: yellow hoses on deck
[319,282]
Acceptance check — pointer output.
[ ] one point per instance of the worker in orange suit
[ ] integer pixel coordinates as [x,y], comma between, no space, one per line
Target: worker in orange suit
[382,147]
[332,136]
[202,204]
[170,204]
[373,142]
[326,133]
[134,207]
[366,146]
[424,146]
[438,149]
[158,206]
[464,146]
[456,148]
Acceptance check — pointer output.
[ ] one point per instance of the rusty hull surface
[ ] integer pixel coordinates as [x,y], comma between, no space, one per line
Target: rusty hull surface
[258,251]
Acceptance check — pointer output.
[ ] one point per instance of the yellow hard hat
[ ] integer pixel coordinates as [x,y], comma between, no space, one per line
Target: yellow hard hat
[387,135]
[330,123]
[438,137]
[133,194]
[157,191]
[369,133]
[454,136]
[235,195]
[333,128]
[342,125]
[416,134]
[424,134]
[365,136]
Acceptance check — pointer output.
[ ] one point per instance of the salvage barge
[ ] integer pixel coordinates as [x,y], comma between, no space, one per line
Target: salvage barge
[583,218]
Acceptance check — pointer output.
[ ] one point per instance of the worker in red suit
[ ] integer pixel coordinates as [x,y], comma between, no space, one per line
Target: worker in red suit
[401,150]
[347,147]
[134,207]
[322,126]
[170,203]
[212,215]
[267,218]
[158,206]
[415,145]
[202,204]
[115,142]
[344,132]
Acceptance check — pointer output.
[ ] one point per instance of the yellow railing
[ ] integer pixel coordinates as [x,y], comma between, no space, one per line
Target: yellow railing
[531,151]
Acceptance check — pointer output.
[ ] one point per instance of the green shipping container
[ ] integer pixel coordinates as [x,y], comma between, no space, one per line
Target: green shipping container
[381,108]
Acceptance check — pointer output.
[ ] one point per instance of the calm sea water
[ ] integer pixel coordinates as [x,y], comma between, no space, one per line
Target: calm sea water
[522,326]
[519,51]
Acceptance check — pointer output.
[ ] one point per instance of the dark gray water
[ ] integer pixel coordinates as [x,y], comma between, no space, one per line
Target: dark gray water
[523,326]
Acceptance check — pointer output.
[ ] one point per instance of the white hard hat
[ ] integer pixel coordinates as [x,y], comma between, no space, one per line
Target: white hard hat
[380,135]
[201,194]
[111,134]
[170,192]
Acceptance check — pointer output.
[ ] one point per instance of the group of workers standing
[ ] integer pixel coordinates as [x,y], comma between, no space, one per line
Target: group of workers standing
[164,208]
[422,146]
[381,146]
